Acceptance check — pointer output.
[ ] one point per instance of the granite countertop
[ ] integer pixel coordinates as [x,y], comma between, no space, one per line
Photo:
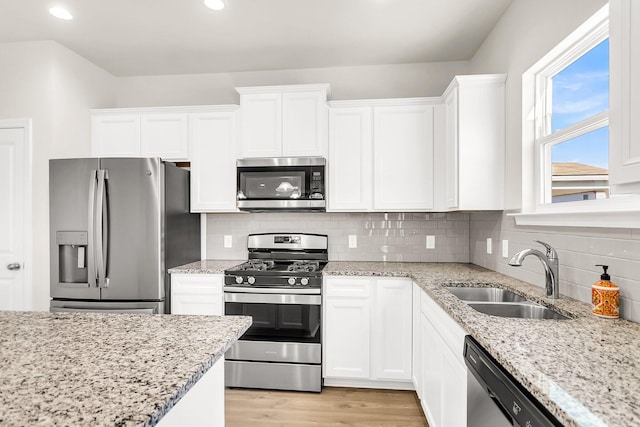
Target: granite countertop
[585,370]
[207,266]
[104,369]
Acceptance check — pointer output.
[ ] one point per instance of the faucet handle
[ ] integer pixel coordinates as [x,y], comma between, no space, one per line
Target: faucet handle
[551,253]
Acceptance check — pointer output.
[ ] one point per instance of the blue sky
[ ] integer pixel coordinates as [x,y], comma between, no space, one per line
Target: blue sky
[579,91]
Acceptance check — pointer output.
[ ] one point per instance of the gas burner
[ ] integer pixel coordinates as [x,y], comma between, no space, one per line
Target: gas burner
[256,265]
[304,266]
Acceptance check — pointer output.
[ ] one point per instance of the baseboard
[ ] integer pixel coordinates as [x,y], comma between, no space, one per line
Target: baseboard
[360,383]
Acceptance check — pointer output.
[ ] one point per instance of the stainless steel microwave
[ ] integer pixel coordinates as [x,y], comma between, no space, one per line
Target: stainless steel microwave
[281,183]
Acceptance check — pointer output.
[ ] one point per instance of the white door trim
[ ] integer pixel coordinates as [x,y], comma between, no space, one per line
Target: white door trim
[27,268]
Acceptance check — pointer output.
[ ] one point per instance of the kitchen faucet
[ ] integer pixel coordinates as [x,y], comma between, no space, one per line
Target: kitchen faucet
[550,263]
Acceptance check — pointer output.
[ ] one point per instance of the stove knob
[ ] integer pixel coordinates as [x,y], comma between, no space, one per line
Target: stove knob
[292,280]
[251,280]
[239,280]
[304,281]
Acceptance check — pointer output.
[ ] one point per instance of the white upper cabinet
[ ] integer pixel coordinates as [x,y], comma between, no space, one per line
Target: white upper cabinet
[381,155]
[283,121]
[350,165]
[261,125]
[141,132]
[115,134]
[403,157]
[213,164]
[164,135]
[474,142]
[624,127]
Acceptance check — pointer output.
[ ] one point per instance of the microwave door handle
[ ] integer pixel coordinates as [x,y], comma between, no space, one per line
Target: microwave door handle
[91,264]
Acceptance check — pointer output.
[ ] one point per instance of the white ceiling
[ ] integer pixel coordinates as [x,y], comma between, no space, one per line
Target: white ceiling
[149,37]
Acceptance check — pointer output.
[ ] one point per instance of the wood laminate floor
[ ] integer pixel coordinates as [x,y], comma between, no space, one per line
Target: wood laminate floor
[333,407]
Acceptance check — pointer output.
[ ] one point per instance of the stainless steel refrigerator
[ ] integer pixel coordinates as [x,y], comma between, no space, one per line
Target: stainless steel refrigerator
[116,226]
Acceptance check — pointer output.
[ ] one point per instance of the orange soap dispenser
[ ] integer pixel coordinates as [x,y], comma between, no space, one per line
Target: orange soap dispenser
[605,296]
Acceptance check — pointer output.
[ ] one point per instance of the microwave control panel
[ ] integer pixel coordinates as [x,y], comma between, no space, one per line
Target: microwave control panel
[316,185]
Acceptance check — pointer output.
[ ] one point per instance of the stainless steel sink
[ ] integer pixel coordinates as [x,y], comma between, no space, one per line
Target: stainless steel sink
[521,310]
[484,294]
[502,303]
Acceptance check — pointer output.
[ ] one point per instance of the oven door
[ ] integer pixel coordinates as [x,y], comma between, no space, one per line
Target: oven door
[278,317]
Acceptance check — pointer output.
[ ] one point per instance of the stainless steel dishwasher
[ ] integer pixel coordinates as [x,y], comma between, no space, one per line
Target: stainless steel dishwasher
[495,398]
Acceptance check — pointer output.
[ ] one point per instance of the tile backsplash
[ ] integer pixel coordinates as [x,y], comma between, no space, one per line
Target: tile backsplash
[380,236]
[459,237]
[579,249]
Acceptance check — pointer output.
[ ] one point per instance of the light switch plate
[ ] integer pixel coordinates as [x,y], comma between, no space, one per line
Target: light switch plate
[431,242]
[228,241]
[505,249]
[489,246]
[353,241]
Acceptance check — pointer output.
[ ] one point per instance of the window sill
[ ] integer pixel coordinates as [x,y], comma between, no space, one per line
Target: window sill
[620,212]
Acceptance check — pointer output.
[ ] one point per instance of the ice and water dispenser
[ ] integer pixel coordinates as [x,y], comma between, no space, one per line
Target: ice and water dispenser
[72,257]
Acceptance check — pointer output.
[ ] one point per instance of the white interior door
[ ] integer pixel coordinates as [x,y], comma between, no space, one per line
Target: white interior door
[12,219]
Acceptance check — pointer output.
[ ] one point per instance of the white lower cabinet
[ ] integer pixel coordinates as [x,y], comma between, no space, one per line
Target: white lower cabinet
[197,294]
[442,381]
[367,332]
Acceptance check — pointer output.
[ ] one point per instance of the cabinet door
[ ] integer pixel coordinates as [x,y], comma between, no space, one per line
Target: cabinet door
[391,331]
[115,135]
[350,159]
[624,128]
[454,390]
[197,294]
[431,368]
[304,124]
[261,125]
[416,352]
[347,319]
[451,148]
[164,135]
[213,166]
[403,158]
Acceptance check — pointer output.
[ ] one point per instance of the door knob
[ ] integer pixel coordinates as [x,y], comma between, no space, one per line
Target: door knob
[13,266]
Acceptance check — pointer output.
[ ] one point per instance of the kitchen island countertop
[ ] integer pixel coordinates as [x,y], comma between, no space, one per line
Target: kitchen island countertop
[104,369]
[584,370]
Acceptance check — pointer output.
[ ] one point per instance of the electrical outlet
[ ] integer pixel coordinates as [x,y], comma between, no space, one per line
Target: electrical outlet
[353,241]
[489,246]
[228,241]
[431,242]
[505,249]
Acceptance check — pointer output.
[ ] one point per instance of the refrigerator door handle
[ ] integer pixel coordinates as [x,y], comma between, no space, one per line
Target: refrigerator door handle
[91,265]
[101,228]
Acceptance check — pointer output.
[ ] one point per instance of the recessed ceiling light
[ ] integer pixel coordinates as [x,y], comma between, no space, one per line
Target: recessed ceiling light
[61,12]
[214,4]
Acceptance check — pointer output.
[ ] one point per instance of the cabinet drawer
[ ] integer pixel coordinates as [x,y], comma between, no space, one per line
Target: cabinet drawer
[356,287]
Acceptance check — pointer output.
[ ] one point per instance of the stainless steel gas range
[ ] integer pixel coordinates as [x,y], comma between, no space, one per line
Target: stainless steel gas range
[280,287]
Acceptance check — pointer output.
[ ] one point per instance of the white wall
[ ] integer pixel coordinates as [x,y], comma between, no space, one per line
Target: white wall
[364,82]
[54,87]
[526,32]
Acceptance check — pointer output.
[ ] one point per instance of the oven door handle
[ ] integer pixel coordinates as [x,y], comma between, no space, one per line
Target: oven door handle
[272,298]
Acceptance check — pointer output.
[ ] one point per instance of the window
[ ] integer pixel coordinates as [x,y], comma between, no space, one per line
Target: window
[565,129]
[572,120]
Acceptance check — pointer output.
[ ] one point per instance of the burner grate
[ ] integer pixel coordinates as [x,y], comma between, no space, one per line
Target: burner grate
[257,265]
[304,266]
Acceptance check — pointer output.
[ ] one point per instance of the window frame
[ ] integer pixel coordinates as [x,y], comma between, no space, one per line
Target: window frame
[544,139]
[619,210]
